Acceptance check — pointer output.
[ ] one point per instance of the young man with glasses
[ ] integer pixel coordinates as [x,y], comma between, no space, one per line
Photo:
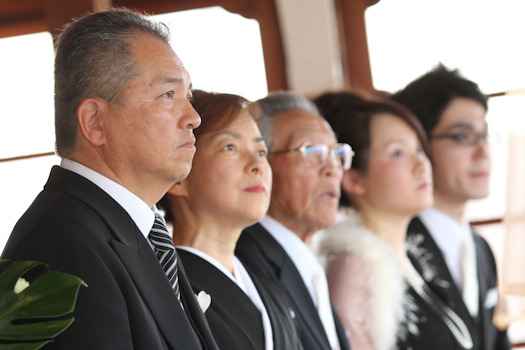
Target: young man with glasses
[307,165]
[453,112]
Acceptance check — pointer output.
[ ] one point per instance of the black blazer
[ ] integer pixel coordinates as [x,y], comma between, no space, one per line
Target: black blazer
[75,227]
[234,319]
[485,335]
[258,250]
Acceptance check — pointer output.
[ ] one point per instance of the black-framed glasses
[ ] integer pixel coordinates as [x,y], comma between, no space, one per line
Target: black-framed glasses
[317,155]
[467,138]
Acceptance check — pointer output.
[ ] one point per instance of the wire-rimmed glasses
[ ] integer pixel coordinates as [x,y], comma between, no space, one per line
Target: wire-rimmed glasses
[317,155]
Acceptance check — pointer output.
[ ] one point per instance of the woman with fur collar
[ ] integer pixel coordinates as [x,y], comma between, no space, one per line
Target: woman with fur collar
[364,254]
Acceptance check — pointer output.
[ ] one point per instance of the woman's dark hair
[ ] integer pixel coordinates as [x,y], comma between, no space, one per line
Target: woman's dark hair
[350,116]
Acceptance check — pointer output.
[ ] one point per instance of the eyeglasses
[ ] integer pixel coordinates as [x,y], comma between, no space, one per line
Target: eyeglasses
[316,155]
[467,138]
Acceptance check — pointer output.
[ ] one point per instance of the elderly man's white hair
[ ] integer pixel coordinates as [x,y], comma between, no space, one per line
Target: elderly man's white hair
[279,102]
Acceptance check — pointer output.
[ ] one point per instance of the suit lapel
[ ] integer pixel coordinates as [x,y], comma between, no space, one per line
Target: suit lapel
[441,280]
[442,283]
[289,277]
[487,289]
[154,287]
[226,298]
[194,312]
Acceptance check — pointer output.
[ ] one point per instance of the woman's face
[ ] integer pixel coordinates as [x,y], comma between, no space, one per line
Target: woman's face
[230,180]
[399,175]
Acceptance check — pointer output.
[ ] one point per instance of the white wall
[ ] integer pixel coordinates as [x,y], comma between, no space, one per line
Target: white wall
[311,45]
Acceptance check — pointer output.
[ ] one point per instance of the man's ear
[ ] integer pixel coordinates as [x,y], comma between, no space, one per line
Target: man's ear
[90,115]
[352,182]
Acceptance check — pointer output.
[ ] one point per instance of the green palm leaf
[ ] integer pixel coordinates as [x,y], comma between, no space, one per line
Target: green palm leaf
[31,314]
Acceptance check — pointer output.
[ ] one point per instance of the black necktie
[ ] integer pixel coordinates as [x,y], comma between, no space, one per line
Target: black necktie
[165,251]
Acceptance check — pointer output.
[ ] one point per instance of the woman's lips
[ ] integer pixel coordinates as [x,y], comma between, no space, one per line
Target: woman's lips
[424,185]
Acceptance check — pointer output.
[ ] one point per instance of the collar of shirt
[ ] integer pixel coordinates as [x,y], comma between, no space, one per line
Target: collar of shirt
[447,233]
[138,210]
[302,256]
[212,261]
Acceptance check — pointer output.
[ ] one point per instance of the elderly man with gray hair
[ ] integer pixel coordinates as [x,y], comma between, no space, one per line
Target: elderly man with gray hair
[307,165]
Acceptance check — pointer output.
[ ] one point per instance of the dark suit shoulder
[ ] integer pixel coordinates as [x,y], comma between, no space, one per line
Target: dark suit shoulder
[234,320]
[483,248]
[258,250]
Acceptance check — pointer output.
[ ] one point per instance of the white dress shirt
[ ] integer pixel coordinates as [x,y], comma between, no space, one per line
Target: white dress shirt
[447,234]
[310,270]
[302,256]
[456,242]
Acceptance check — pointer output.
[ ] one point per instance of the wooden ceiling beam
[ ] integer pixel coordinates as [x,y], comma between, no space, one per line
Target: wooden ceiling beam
[19,17]
[354,46]
[60,12]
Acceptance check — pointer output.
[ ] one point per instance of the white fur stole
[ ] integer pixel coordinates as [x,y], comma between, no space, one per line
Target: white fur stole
[388,306]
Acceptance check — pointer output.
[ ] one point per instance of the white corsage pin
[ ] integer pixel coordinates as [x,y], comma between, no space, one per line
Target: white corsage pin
[204,300]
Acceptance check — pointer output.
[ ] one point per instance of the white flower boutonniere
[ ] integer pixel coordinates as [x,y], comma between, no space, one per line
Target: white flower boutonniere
[20,285]
[204,300]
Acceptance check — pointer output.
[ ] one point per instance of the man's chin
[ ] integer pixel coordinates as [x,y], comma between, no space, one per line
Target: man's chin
[326,221]
[182,173]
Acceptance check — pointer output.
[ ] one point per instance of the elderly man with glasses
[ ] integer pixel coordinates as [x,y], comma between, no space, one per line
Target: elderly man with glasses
[453,112]
[307,165]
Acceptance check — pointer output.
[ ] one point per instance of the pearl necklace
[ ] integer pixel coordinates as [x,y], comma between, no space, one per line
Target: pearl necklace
[454,323]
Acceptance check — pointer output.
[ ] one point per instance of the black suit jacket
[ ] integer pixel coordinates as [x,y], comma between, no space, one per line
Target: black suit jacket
[75,227]
[258,250]
[485,335]
[234,319]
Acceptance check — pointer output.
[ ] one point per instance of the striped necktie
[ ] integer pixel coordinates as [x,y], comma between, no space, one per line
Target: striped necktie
[165,252]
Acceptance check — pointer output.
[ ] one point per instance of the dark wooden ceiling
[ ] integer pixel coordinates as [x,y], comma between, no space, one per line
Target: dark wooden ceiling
[18,17]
